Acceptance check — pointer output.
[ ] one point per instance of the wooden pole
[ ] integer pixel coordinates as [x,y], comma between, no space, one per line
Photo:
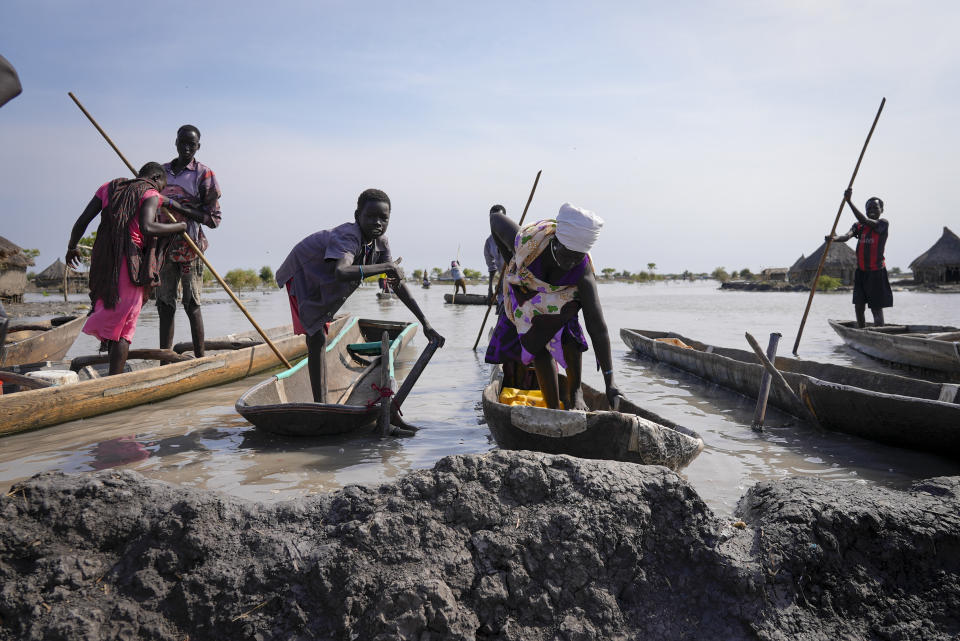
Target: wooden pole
[190,242]
[533,190]
[826,248]
[761,410]
[778,378]
[383,420]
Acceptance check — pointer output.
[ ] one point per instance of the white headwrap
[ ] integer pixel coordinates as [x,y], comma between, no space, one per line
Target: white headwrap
[577,229]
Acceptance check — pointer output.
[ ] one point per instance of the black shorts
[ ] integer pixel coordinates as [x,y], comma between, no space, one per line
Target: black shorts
[872,289]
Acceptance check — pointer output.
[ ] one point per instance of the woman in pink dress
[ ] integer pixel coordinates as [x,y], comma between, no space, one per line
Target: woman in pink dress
[125,262]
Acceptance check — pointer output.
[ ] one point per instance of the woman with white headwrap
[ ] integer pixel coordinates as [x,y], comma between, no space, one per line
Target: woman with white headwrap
[548,280]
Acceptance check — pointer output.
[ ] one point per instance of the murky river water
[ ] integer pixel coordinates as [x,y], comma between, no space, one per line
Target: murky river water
[199,440]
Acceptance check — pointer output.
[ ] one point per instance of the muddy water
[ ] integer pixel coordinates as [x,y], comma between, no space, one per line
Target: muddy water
[198,439]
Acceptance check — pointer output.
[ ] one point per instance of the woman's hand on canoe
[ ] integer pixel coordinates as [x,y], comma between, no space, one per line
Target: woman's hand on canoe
[614,397]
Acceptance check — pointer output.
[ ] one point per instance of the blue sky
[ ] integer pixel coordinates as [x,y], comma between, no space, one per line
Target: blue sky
[705,134]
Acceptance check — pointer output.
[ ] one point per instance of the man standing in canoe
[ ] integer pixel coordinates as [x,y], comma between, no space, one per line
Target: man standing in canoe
[491,254]
[871,285]
[126,257]
[548,280]
[326,267]
[194,186]
[458,279]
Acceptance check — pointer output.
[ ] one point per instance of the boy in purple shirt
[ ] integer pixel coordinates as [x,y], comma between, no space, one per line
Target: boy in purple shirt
[194,187]
[323,269]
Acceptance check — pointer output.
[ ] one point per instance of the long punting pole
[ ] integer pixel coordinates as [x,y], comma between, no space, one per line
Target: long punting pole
[189,240]
[533,190]
[823,257]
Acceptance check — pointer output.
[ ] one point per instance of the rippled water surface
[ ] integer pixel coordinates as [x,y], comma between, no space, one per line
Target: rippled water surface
[199,440]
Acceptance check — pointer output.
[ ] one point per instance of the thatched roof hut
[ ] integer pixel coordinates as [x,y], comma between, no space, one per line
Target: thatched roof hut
[841,263]
[52,278]
[774,274]
[940,263]
[13,270]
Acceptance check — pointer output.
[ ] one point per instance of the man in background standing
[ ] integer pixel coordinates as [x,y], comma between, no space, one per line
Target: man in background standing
[491,254]
[194,186]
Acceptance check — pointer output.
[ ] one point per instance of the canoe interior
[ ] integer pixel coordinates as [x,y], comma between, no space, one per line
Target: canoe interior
[284,404]
[631,434]
[45,340]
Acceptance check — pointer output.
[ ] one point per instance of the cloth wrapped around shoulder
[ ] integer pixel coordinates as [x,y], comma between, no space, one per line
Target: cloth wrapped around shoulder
[538,309]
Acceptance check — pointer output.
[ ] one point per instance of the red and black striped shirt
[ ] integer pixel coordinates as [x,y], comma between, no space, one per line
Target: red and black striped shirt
[870,244]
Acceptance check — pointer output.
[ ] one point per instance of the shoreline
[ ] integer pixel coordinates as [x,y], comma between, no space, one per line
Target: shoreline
[506,545]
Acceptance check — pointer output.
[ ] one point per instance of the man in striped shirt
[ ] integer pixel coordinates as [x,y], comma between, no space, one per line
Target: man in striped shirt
[871,286]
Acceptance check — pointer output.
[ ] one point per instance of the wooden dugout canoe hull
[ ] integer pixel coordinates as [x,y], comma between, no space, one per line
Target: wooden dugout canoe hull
[50,345]
[632,434]
[891,409]
[897,344]
[467,299]
[33,409]
[283,404]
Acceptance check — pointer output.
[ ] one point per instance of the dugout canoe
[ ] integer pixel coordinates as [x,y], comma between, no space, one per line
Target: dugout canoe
[283,404]
[48,340]
[927,347]
[386,296]
[147,382]
[631,434]
[467,299]
[895,410]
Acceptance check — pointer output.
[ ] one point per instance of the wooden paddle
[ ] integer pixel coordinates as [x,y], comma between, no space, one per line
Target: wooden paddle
[826,248]
[533,190]
[190,242]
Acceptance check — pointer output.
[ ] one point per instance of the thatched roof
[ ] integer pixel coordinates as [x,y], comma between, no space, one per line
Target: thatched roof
[12,256]
[796,264]
[53,272]
[945,251]
[839,255]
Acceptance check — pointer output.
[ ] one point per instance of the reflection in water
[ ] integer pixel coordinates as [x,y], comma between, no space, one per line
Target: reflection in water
[199,440]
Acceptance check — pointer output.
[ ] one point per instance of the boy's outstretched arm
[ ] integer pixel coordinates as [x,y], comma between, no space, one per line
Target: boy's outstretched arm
[404,295]
[848,196]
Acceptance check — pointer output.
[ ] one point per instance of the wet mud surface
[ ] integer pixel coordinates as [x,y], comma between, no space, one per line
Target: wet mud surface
[505,545]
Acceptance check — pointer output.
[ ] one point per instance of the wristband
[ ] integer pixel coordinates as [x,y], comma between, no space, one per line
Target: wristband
[609,371]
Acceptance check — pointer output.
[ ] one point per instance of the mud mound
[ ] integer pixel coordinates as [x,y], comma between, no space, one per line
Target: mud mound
[506,545]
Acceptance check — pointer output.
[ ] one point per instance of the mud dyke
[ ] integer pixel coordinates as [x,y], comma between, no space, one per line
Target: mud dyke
[506,545]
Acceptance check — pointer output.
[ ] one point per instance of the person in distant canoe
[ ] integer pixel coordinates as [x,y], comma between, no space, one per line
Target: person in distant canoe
[323,269]
[426,279]
[491,254]
[194,186]
[458,279]
[126,257]
[548,280]
[871,285]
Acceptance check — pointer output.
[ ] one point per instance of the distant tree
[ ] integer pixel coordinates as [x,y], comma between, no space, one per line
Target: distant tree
[720,274]
[471,273]
[31,253]
[746,274]
[828,283]
[687,275]
[242,279]
[436,271]
[652,267]
[31,275]
[896,271]
[608,272]
[208,277]
[625,275]
[266,275]
[417,274]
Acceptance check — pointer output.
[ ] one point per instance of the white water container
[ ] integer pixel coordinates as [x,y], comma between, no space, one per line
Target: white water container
[56,376]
